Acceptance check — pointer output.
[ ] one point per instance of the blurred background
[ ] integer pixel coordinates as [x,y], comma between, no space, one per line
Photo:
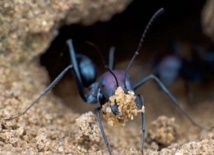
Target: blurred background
[176,50]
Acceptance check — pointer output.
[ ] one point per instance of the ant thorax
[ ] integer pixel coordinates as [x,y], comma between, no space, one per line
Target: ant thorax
[126,106]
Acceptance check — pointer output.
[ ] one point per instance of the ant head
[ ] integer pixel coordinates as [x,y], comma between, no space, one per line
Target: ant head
[124,104]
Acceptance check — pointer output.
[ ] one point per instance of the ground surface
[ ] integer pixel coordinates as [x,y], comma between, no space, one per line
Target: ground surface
[52,127]
[63,124]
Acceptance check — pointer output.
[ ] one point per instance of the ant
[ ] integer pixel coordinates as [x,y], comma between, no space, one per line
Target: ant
[187,61]
[190,62]
[102,90]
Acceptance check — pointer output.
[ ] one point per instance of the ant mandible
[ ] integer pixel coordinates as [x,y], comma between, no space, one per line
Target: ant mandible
[102,90]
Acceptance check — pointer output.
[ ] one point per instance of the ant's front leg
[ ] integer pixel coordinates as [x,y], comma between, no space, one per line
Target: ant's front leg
[143,131]
[97,112]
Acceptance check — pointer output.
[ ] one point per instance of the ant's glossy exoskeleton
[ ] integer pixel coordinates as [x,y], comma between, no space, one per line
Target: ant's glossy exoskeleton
[102,90]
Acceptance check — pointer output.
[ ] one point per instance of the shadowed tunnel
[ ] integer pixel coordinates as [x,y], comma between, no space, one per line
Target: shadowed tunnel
[181,21]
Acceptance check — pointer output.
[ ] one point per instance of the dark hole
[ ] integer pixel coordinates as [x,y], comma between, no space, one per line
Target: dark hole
[181,21]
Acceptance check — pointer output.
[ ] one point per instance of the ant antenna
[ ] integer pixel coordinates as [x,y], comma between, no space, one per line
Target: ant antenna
[154,17]
[98,52]
[113,75]
[103,60]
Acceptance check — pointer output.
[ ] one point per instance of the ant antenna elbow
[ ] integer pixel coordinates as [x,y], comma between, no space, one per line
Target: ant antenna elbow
[154,17]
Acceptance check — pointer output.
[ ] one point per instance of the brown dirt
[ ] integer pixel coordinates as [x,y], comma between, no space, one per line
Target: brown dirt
[50,127]
[27,27]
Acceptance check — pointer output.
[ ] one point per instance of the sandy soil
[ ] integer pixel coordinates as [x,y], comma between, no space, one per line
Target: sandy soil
[61,123]
[52,127]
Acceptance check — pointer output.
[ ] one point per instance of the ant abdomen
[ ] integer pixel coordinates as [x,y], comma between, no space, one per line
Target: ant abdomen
[87,69]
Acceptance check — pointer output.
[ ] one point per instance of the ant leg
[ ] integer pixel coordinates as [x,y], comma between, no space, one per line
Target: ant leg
[111,58]
[76,70]
[57,79]
[143,131]
[140,104]
[171,97]
[97,112]
[44,92]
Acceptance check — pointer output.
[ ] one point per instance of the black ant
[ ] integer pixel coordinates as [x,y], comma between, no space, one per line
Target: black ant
[102,90]
[193,64]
